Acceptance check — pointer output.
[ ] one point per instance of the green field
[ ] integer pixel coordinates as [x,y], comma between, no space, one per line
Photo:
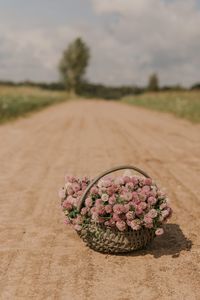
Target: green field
[18,101]
[184,104]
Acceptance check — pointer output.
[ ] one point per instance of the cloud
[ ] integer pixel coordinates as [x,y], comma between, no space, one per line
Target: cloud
[32,54]
[157,36]
[134,39]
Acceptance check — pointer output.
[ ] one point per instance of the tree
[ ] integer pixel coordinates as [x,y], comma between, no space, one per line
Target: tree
[73,64]
[153,84]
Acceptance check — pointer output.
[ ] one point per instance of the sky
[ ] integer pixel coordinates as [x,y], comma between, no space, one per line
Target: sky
[128,39]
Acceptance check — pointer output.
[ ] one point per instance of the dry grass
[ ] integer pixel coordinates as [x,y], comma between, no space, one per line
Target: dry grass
[182,104]
[18,101]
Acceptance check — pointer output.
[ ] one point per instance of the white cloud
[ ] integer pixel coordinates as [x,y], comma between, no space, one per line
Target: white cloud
[32,54]
[122,6]
[140,37]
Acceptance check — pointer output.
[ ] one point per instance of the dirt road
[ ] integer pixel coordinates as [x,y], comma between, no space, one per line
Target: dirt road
[41,258]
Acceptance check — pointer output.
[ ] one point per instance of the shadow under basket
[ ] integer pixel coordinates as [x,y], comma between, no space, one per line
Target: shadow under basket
[107,240]
[110,240]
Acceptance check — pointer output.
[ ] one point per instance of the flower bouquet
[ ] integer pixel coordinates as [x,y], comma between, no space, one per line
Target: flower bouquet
[115,214]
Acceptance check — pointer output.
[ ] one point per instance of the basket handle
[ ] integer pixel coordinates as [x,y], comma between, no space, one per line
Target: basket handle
[102,175]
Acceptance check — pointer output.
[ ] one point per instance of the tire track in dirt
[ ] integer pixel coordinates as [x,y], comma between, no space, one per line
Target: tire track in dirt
[163,172]
[154,168]
[40,258]
[126,141]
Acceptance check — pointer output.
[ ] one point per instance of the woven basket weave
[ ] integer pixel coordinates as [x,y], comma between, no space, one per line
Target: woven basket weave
[110,240]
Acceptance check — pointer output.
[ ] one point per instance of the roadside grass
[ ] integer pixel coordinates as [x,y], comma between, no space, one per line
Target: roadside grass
[184,104]
[18,101]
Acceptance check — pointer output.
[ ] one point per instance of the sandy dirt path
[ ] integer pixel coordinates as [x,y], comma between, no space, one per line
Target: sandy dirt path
[41,258]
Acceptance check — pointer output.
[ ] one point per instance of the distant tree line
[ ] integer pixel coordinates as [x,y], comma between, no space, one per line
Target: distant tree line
[87,89]
[72,67]
[57,86]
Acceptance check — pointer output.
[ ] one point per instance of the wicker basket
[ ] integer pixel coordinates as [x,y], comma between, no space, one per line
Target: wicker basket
[108,240]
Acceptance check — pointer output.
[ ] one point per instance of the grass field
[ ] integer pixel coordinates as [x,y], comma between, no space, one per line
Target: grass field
[18,101]
[182,104]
